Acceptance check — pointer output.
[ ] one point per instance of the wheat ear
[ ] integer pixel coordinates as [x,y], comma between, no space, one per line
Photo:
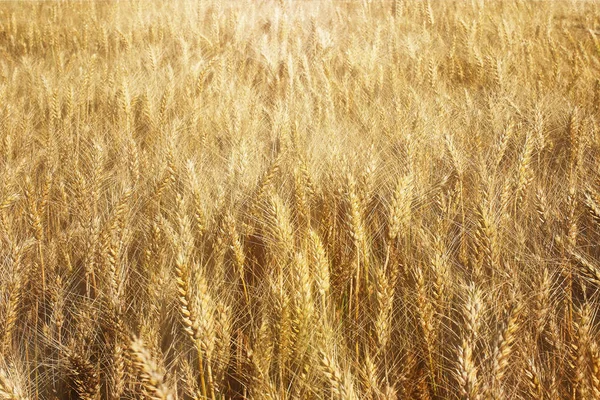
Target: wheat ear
[153,379]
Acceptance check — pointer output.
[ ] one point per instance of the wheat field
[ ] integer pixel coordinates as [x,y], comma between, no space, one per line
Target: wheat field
[299,199]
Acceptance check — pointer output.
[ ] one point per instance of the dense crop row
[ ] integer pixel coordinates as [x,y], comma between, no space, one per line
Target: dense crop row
[299,199]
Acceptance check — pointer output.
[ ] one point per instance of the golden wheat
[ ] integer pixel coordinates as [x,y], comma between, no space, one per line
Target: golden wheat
[299,199]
